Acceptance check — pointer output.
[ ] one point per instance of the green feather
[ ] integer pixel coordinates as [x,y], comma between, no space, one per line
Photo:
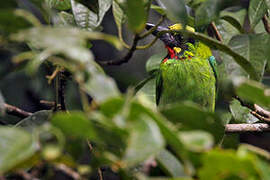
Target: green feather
[191,79]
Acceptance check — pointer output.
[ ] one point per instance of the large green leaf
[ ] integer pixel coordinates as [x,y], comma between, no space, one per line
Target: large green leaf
[74,124]
[148,89]
[227,164]
[176,10]
[253,92]
[196,141]
[136,15]
[87,19]
[241,114]
[16,146]
[170,164]
[101,87]
[118,15]
[236,19]
[209,11]
[154,61]
[145,140]
[191,117]
[59,5]
[253,47]
[36,119]
[256,10]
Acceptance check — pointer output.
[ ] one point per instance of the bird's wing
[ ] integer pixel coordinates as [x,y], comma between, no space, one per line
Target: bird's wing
[159,88]
[213,63]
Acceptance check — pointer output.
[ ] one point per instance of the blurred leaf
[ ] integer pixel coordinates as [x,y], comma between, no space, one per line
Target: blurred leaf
[101,87]
[88,19]
[209,11]
[2,105]
[136,15]
[154,61]
[6,17]
[253,92]
[145,140]
[148,88]
[67,19]
[70,42]
[158,9]
[16,146]
[238,58]
[191,117]
[236,19]
[176,10]
[256,10]
[241,114]
[36,119]
[59,4]
[118,15]
[74,124]
[170,164]
[228,165]
[197,141]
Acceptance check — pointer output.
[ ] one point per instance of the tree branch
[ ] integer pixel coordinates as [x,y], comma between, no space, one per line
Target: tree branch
[266,24]
[215,30]
[126,58]
[15,111]
[243,128]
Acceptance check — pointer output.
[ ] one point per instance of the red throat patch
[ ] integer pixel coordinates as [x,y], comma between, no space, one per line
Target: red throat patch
[171,53]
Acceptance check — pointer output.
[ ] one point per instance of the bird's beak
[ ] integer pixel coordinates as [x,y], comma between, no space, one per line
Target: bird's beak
[166,38]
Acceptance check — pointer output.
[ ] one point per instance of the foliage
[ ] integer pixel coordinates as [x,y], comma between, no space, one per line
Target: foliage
[126,131]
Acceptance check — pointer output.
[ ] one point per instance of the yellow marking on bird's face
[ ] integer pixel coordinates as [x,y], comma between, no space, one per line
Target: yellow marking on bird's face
[177,49]
[179,27]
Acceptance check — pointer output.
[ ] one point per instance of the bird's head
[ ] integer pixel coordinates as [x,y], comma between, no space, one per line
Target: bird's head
[173,41]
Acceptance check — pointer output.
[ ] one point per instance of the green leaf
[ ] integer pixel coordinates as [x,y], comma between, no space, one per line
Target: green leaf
[70,42]
[101,87]
[145,140]
[74,124]
[209,11]
[253,47]
[170,164]
[236,19]
[228,165]
[197,141]
[241,114]
[16,146]
[36,119]
[67,19]
[176,10]
[148,88]
[256,10]
[253,92]
[136,15]
[6,17]
[118,15]
[158,9]
[154,61]
[2,105]
[192,117]
[88,19]
[59,4]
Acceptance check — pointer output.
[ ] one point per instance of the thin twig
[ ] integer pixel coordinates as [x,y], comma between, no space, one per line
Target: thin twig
[99,170]
[215,30]
[153,28]
[68,171]
[15,111]
[266,24]
[126,58]
[26,175]
[243,128]
[49,104]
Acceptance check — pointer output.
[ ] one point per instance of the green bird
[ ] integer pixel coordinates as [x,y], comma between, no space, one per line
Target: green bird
[187,72]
